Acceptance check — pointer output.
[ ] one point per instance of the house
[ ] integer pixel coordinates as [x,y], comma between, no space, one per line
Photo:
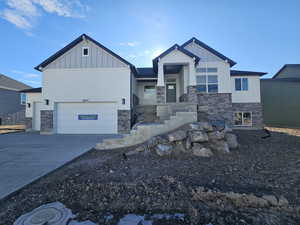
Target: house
[281,97]
[12,102]
[87,88]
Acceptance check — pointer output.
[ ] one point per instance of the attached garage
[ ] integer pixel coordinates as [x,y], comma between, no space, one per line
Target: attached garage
[86,118]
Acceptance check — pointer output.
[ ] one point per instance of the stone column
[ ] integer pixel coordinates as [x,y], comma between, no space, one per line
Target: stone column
[124,121]
[46,122]
[28,123]
[192,94]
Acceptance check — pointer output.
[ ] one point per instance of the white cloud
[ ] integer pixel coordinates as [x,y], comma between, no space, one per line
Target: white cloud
[22,13]
[130,44]
[16,19]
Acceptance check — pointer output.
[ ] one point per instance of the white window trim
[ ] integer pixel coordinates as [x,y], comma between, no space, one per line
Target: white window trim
[242,87]
[23,103]
[243,125]
[206,84]
[83,48]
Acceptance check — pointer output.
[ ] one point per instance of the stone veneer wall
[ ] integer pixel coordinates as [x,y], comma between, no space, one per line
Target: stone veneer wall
[161,94]
[28,123]
[192,94]
[46,121]
[16,118]
[219,106]
[254,108]
[124,121]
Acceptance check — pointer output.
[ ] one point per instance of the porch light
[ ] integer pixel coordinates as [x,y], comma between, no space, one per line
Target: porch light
[46,101]
[123,101]
[28,105]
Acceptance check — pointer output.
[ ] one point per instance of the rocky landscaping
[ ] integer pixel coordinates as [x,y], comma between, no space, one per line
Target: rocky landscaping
[199,174]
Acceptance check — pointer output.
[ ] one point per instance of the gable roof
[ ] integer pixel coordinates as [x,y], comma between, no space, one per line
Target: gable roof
[145,72]
[246,73]
[213,51]
[174,47]
[74,43]
[286,66]
[9,83]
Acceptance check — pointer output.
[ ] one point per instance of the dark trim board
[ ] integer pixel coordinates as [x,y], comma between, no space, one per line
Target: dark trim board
[246,73]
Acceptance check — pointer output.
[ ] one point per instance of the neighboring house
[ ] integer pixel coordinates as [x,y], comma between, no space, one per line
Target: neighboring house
[89,89]
[12,102]
[281,97]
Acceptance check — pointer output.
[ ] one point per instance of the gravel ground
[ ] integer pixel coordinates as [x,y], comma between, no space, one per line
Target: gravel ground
[102,182]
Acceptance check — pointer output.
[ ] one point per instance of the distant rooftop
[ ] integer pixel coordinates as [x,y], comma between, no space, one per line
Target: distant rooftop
[9,83]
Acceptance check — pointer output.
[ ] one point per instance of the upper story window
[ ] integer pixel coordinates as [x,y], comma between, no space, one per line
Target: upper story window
[241,84]
[207,83]
[23,98]
[85,51]
[207,70]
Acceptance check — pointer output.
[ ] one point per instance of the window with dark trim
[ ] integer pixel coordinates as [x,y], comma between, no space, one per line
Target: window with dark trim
[23,98]
[207,83]
[241,84]
[242,119]
[85,51]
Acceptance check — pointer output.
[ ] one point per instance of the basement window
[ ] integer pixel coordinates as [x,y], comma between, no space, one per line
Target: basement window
[85,51]
[242,119]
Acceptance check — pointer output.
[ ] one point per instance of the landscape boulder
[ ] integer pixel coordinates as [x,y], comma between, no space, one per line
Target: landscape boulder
[163,149]
[177,136]
[200,151]
[231,140]
[198,136]
[216,135]
[220,146]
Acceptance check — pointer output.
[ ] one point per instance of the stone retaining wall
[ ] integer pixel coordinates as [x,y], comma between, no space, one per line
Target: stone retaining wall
[254,108]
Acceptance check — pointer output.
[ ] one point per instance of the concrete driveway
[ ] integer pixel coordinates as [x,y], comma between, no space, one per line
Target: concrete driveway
[25,157]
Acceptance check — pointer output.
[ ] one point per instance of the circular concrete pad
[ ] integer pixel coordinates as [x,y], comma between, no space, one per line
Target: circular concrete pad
[50,214]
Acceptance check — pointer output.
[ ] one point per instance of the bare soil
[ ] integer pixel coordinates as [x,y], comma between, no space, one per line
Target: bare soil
[103,182]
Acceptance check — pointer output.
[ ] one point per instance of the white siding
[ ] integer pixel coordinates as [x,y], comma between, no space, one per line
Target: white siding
[32,98]
[93,85]
[206,56]
[97,58]
[253,93]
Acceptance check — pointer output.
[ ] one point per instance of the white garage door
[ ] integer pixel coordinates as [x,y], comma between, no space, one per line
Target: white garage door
[86,118]
[37,116]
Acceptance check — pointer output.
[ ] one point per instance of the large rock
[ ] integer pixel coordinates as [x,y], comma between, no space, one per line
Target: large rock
[201,151]
[271,199]
[198,136]
[220,146]
[231,140]
[53,214]
[178,135]
[87,222]
[188,143]
[204,126]
[163,150]
[216,135]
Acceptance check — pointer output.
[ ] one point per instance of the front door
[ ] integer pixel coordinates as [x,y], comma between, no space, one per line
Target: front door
[171,92]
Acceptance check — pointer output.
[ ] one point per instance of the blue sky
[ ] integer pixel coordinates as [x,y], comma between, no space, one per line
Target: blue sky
[260,35]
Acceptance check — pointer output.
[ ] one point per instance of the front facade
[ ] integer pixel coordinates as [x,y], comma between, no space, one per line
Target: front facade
[12,102]
[89,89]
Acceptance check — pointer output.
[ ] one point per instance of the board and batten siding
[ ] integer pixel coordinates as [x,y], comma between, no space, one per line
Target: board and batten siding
[201,52]
[280,102]
[98,58]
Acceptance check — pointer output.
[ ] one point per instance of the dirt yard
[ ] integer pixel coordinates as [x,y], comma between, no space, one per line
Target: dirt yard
[103,182]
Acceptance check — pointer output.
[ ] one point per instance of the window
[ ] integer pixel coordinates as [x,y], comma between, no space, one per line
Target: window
[241,84]
[207,83]
[243,119]
[207,70]
[85,51]
[23,98]
[149,92]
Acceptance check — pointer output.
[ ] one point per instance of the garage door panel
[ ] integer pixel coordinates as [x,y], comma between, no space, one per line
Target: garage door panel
[68,121]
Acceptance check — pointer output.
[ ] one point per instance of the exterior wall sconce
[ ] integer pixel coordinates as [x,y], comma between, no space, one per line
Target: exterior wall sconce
[28,105]
[47,101]
[123,101]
